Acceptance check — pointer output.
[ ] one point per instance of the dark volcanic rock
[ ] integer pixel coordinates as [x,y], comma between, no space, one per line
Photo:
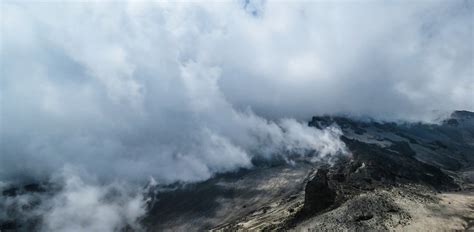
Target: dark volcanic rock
[318,194]
[395,164]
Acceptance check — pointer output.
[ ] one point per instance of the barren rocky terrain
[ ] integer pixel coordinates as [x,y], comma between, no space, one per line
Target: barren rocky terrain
[397,177]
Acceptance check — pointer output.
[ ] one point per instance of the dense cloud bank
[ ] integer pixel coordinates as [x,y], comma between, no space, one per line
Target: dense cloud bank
[133,90]
[72,204]
[179,92]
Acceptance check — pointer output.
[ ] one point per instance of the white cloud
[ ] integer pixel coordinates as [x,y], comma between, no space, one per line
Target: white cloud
[72,203]
[128,91]
[86,207]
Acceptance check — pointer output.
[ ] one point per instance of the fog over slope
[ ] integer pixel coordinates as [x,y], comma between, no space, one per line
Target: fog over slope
[179,92]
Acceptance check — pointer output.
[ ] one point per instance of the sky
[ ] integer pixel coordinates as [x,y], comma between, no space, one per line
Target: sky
[133,91]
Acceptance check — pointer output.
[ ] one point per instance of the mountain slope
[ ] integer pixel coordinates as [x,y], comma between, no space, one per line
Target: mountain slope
[393,170]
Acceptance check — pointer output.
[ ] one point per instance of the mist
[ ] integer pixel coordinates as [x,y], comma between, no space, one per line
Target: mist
[181,91]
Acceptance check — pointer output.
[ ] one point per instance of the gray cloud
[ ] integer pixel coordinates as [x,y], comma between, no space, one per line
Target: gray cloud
[135,90]
[180,92]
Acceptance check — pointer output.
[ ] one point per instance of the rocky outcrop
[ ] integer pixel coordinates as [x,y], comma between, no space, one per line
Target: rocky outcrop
[318,195]
[382,156]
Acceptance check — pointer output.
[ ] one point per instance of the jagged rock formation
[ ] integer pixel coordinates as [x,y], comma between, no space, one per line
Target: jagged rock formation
[318,194]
